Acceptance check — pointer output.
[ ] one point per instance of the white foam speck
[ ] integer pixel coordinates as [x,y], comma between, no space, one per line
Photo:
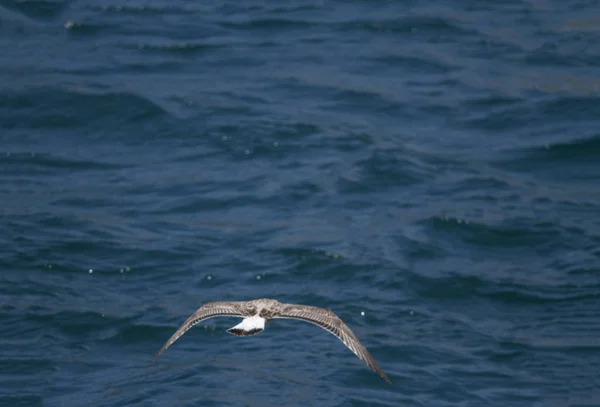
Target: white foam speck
[362,313]
[91,271]
[209,278]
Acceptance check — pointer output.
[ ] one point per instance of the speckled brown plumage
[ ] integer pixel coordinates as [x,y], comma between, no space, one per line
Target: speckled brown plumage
[271,309]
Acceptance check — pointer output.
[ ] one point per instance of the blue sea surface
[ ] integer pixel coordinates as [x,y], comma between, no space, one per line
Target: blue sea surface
[428,170]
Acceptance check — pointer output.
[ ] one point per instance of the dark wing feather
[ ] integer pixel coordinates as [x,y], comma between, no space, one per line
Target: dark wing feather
[327,320]
[207,311]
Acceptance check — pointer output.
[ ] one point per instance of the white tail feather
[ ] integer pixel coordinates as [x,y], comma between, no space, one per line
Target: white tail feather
[249,326]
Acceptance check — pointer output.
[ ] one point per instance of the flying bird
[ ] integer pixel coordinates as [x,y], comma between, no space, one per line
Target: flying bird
[257,312]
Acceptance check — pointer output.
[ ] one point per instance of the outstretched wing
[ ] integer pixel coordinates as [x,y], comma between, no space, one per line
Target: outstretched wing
[207,311]
[327,320]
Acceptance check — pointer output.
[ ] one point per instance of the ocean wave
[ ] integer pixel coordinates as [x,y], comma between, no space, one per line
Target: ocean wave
[59,108]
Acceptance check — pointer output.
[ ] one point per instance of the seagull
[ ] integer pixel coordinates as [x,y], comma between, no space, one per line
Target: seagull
[257,312]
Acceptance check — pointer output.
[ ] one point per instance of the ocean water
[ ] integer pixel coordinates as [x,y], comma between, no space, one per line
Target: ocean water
[429,170]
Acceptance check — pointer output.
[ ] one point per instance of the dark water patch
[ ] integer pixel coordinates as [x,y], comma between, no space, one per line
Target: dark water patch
[346,94]
[571,109]
[503,288]
[515,294]
[22,401]
[359,401]
[504,352]
[416,250]
[143,9]
[301,191]
[515,233]
[350,140]
[382,169]
[265,141]
[210,203]
[20,366]
[26,164]
[181,48]
[16,25]
[584,272]
[499,118]
[57,252]
[85,29]
[576,150]
[80,247]
[267,24]
[417,64]
[292,8]
[361,96]
[564,48]
[82,324]
[306,254]
[39,9]
[472,182]
[576,159]
[492,101]
[266,133]
[493,43]
[292,131]
[577,257]
[47,108]
[135,334]
[35,289]
[452,286]
[416,25]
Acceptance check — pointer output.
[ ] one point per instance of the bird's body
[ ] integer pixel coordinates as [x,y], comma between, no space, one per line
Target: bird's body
[257,312]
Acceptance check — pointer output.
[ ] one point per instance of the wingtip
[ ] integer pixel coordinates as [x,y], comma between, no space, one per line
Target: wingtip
[382,374]
[156,355]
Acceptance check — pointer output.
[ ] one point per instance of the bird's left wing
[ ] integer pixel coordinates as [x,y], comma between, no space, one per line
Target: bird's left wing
[329,321]
[207,311]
